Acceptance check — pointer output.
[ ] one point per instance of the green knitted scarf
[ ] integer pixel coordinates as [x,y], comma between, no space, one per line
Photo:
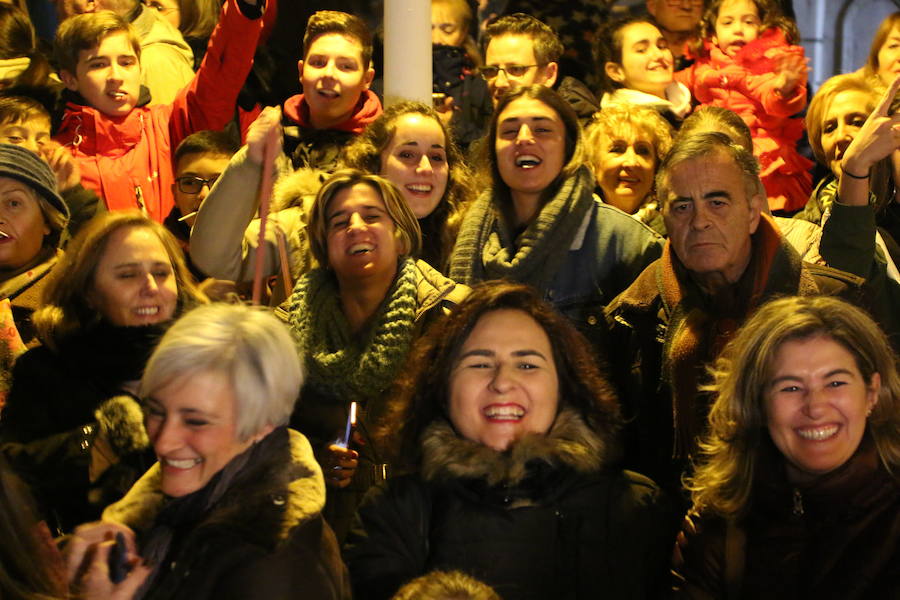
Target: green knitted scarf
[338,364]
[484,251]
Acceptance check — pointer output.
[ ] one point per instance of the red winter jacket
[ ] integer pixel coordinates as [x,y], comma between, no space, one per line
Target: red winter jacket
[128,160]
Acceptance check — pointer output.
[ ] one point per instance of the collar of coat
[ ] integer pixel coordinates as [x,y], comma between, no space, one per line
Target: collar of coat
[569,443]
[284,488]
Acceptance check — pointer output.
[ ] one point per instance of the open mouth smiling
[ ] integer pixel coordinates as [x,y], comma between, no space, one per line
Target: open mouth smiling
[527,161]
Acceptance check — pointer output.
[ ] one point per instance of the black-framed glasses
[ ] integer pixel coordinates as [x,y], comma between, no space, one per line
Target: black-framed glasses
[489,72]
[191,184]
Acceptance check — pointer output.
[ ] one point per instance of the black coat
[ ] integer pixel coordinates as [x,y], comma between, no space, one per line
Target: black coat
[263,538]
[50,421]
[538,521]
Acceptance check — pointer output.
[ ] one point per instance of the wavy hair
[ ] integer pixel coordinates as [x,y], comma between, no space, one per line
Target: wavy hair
[723,481]
[422,391]
[623,120]
[439,229]
[66,307]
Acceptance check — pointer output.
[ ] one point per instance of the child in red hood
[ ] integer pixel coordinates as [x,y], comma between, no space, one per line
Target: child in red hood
[749,64]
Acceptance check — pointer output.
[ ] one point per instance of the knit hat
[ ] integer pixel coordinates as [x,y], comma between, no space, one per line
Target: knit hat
[24,165]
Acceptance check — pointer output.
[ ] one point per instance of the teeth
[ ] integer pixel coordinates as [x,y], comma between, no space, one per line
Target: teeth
[183,464]
[146,311]
[361,248]
[511,413]
[818,433]
[4,235]
[420,187]
[527,161]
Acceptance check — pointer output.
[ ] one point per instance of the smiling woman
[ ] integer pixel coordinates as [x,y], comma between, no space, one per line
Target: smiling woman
[218,391]
[804,436]
[509,428]
[540,223]
[69,417]
[355,318]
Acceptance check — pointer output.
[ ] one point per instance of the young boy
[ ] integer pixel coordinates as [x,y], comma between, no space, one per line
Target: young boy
[122,146]
[336,103]
[26,122]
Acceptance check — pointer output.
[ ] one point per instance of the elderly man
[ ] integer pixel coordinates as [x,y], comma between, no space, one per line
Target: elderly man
[521,51]
[677,20]
[723,259]
[167,61]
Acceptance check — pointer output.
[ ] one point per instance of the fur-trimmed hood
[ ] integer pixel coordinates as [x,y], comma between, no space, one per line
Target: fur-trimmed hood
[271,496]
[297,188]
[569,443]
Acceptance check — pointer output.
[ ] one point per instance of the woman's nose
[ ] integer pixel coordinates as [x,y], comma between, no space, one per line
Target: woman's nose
[503,380]
[424,165]
[165,437]
[150,286]
[525,134]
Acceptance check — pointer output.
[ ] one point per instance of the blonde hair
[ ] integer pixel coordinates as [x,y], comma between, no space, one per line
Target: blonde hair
[446,585]
[821,102]
[723,480]
[406,227]
[620,120]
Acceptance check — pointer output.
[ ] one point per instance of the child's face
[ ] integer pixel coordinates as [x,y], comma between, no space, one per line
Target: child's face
[333,78]
[31,133]
[646,60]
[736,24]
[108,76]
[188,188]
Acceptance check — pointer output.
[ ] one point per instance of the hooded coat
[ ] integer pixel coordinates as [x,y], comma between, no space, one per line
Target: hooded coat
[547,518]
[264,538]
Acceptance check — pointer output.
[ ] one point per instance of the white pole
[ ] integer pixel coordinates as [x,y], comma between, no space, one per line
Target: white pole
[407,51]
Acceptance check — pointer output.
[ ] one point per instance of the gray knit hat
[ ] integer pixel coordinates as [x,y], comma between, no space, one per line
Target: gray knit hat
[24,165]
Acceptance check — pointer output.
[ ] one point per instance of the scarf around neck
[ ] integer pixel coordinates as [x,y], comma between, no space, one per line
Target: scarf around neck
[700,326]
[338,363]
[484,249]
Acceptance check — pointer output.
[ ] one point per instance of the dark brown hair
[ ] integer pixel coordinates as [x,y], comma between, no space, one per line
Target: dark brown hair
[332,21]
[86,31]
[770,16]
[422,391]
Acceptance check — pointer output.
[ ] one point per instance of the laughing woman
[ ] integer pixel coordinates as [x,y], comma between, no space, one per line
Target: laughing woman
[355,318]
[540,223]
[70,416]
[508,430]
[798,494]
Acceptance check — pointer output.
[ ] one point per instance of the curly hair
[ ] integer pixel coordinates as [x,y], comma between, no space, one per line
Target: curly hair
[66,307]
[422,391]
[723,481]
[626,120]
[439,229]
[770,15]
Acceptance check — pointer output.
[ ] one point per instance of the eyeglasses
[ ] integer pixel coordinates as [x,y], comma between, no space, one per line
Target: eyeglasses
[489,72]
[190,184]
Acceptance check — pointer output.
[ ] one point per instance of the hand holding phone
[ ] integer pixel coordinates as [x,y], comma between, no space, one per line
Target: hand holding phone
[118,560]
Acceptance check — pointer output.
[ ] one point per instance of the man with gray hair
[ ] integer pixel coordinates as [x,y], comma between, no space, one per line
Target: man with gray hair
[723,259]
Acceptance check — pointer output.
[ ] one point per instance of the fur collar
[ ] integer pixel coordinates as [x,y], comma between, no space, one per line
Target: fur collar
[570,443]
[281,491]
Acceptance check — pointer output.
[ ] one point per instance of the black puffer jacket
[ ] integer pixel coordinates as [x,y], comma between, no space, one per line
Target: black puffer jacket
[545,519]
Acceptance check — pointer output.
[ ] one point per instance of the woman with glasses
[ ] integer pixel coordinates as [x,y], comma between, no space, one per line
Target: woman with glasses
[539,222]
[636,67]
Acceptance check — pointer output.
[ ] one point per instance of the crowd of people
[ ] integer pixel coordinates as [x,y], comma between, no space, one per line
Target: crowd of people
[619,325]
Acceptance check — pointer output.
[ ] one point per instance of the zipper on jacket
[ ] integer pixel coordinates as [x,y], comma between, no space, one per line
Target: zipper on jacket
[798,503]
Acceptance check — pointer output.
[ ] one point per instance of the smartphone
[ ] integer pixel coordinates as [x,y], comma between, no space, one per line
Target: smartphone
[437,98]
[118,561]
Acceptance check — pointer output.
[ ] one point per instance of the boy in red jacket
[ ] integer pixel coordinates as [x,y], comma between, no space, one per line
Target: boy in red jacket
[123,146]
